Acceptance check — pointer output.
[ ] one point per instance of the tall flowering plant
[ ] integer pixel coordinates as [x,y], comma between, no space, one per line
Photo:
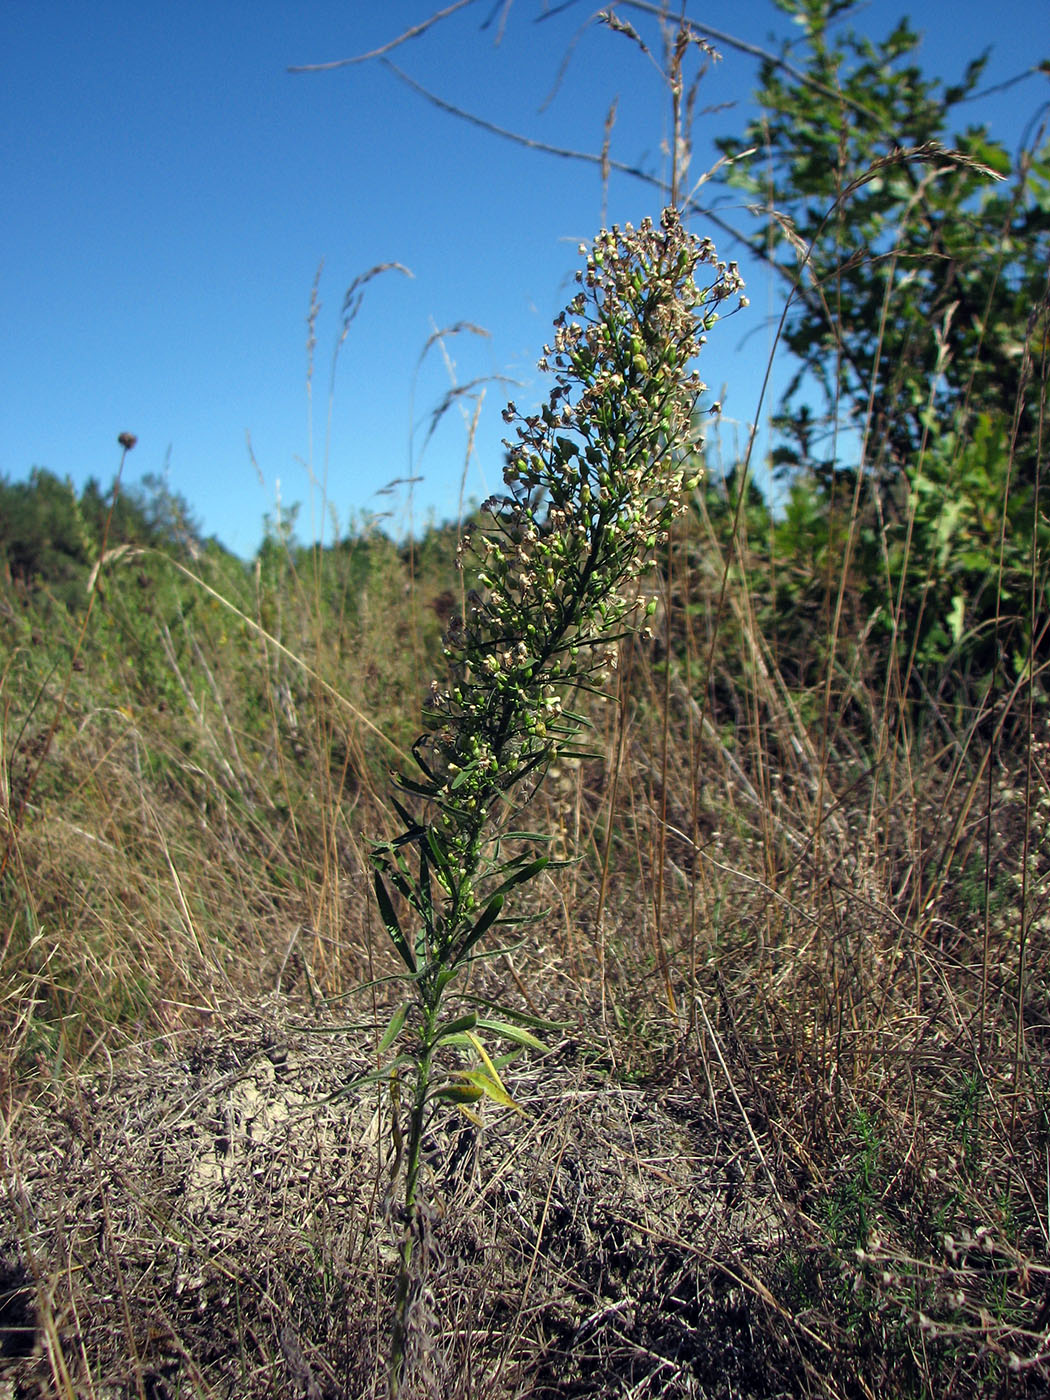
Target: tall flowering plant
[594,481]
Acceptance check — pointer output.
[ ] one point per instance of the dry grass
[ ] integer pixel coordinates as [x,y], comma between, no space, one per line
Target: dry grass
[794,1139]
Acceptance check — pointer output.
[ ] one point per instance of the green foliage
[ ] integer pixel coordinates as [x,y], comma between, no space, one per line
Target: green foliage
[51,537]
[967,556]
[918,307]
[851,1208]
[43,532]
[900,238]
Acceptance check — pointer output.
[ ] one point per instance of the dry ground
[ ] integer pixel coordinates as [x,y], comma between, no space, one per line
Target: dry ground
[206,1220]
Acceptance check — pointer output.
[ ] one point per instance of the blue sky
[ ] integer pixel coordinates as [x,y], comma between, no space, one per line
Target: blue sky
[170,190]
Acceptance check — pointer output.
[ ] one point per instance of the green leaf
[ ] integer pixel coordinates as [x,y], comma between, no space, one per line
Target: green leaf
[571,751]
[444,977]
[459,1027]
[345,996]
[576,719]
[421,761]
[393,1030]
[390,922]
[411,824]
[491,1088]
[456,1040]
[518,877]
[458,1093]
[417,789]
[405,839]
[462,1095]
[520,920]
[518,1034]
[521,1018]
[424,899]
[375,1076]
[437,851]
[483,925]
[400,880]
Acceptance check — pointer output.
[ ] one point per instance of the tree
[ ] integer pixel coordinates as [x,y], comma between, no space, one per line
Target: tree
[919,308]
[917,266]
[42,533]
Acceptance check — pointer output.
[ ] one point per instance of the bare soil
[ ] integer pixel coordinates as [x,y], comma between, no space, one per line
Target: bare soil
[213,1219]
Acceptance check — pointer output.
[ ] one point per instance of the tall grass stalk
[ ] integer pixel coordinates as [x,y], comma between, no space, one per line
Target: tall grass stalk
[594,481]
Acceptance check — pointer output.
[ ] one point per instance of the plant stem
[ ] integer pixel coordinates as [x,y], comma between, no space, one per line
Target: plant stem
[399,1341]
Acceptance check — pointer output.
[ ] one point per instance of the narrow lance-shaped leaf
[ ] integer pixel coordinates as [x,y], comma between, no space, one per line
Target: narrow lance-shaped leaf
[462,1096]
[480,1048]
[491,1088]
[413,828]
[458,1093]
[520,876]
[483,924]
[518,1018]
[393,1030]
[399,878]
[440,859]
[423,767]
[391,924]
[518,1034]
[415,788]
[425,898]
[387,1074]
[464,775]
[457,1027]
